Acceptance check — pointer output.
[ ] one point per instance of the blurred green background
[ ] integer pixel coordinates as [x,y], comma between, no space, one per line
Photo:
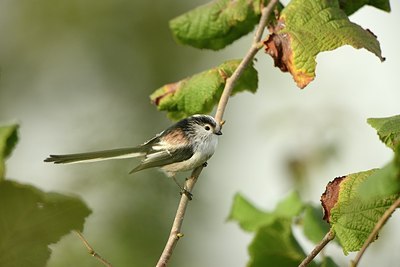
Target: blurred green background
[77,75]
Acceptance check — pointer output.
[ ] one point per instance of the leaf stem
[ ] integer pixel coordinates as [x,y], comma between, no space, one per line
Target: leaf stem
[175,233]
[91,250]
[327,238]
[372,236]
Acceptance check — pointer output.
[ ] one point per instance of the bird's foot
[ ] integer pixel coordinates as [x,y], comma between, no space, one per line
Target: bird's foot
[183,191]
[186,193]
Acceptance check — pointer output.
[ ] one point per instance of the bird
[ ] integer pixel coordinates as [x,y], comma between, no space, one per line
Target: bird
[184,146]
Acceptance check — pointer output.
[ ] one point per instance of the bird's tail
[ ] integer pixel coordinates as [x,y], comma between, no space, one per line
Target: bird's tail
[97,156]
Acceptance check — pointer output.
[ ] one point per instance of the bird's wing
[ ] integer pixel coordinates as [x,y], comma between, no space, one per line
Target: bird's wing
[164,157]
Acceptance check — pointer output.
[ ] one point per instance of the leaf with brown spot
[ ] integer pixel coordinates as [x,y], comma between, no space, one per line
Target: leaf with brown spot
[201,92]
[330,196]
[306,28]
[351,216]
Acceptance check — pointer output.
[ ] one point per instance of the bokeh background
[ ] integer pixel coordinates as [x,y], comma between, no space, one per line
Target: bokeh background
[76,75]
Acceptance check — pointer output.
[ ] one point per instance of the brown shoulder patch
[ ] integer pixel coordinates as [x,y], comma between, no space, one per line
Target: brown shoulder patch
[176,137]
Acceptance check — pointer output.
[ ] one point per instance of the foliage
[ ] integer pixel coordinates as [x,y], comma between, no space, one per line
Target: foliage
[274,243]
[201,92]
[353,204]
[217,24]
[307,28]
[350,214]
[32,219]
[302,30]
[352,217]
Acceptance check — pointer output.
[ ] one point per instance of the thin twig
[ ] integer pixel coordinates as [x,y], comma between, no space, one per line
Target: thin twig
[92,251]
[176,233]
[372,236]
[255,47]
[327,238]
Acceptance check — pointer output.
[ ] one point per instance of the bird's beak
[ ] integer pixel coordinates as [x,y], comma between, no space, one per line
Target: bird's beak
[218,132]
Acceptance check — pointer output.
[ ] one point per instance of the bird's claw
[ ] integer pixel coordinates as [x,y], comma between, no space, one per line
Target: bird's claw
[186,193]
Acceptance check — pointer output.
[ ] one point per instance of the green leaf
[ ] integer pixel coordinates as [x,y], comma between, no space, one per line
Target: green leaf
[313,226]
[290,206]
[351,6]
[201,92]
[247,215]
[275,245]
[306,28]
[216,24]
[31,220]
[388,130]
[250,218]
[383,182]
[352,217]
[8,139]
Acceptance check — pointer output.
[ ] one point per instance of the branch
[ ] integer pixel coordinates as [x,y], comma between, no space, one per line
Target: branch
[327,238]
[91,250]
[373,235]
[255,47]
[175,233]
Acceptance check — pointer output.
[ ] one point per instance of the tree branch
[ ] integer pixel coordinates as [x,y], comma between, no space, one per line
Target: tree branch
[375,231]
[327,238]
[92,251]
[255,47]
[175,233]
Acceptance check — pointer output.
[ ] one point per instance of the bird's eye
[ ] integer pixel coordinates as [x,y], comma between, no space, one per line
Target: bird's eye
[207,127]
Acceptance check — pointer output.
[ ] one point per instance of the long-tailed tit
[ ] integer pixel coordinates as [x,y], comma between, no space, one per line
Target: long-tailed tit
[183,146]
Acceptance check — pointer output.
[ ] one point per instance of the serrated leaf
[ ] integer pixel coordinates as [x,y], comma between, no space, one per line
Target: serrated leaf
[352,218]
[275,245]
[250,218]
[351,6]
[216,24]
[313,226]
[199,93]
[31,220]
[8,139]
[306,28]
[388,130]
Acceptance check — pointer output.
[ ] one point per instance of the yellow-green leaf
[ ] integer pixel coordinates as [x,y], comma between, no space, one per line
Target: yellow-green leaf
[216,24]
[308,27]
[388,130]
[353,217]
[201,92]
